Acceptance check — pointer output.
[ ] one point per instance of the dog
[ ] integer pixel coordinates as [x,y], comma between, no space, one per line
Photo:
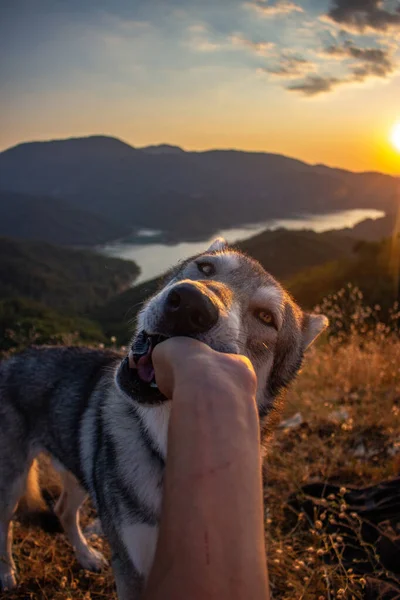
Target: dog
[104,422]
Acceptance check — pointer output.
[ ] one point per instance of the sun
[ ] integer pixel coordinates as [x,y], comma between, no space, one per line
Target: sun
[395,136]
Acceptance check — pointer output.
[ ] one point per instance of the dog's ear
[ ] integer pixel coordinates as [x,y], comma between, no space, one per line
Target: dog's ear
[313,325]
[218,244]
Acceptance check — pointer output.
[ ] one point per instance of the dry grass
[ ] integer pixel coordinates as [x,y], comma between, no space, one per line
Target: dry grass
[361,376]
[47,568]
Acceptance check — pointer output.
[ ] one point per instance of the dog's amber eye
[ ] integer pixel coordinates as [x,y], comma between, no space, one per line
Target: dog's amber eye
[265,316]
[206,268]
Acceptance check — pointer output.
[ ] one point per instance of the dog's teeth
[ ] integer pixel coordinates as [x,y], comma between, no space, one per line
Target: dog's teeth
[141,347]
[131,359]
[154,385]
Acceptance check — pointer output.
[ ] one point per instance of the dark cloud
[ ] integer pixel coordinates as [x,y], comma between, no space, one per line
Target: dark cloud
[373,61]
[314,85]
[362,14]
[293,66]
[370,70]
[373,55]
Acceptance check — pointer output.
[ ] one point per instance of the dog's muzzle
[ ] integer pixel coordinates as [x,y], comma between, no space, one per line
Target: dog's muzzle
[187,311]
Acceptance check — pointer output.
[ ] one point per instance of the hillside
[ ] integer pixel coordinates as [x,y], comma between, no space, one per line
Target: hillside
[374,267]
[24,322]
[347,397]
[60,278]
[284,253]
[53,220]
[374,229]
[185,194]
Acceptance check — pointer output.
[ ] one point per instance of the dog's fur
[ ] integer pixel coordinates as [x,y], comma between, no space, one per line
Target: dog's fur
[106,428]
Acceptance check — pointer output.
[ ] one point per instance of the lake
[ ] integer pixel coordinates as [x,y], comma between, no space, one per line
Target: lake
[154,259]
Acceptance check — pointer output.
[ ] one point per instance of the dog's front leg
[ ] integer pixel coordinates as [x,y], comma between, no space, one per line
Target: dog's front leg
[133,558]
[67,510]
[129,582]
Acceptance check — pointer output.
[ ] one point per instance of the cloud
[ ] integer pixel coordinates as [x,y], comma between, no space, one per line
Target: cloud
[372,55]
[313,85]
[290,66]
[261,48]
[313,71]
[281,7]
[361,15]
[199,39]
[366,70]
[367,62]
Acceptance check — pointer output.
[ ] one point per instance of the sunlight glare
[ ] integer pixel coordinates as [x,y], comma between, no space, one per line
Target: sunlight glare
[395,136]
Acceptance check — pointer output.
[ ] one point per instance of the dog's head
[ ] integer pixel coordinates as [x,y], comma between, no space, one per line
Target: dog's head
[228,301]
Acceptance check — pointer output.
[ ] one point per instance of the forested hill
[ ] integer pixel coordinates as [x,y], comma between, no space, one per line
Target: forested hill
[61,278]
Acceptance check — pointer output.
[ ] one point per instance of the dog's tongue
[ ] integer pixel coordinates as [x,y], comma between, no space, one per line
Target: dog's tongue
[142,362]
[145,367]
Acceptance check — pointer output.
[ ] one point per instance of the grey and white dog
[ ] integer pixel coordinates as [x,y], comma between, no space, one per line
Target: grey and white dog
[104,422]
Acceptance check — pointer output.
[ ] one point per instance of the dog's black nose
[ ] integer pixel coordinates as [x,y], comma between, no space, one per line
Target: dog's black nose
[189,311]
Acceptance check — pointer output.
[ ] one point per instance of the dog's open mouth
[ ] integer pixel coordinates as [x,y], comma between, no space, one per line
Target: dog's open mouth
[140,356]
[136,375]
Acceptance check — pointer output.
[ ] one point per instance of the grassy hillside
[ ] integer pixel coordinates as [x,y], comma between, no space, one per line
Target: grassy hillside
[47,291]
[51,220]
[374,267]
[24,322]
[359,378]
[61,278]
[348,396]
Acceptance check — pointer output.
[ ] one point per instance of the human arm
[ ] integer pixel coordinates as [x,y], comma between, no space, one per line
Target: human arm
[211,542]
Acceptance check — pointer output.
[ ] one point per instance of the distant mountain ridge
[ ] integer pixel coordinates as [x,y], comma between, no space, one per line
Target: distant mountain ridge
[161,149]
[28,217]
[187,195]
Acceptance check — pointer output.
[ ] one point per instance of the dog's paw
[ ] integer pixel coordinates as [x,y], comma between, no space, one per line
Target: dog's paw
[92,560]
[7,580]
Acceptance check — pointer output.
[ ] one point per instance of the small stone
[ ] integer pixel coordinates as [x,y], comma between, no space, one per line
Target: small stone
[292,422]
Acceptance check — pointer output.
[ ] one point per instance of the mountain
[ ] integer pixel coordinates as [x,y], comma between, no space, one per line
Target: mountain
[185,194]
[53,220]
[61,278]
[162,149]
[374,229]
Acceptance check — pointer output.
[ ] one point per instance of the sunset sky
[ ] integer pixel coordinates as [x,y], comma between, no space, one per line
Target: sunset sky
[318,80]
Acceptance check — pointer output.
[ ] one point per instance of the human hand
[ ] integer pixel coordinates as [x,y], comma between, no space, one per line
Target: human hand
[183,361]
